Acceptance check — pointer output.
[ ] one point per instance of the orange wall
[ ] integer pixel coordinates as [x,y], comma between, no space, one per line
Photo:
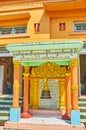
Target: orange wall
[49,23]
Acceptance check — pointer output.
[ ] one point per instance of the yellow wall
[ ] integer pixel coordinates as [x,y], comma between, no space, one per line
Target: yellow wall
[29,14]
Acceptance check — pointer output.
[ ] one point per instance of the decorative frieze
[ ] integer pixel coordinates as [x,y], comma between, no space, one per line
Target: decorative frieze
[44,54]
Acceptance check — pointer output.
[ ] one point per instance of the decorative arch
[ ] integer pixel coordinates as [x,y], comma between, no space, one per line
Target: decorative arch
[47,70]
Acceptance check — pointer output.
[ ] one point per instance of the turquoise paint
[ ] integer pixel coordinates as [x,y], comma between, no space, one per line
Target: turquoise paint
[45,46]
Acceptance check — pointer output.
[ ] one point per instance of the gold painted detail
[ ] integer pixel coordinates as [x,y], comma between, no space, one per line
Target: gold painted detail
[75,87]
[62,98]
[48,70]
[74,62]
[35,102]
[26,74]
[68,74]
[59,94]
[31,93]
[16,64]
[26,69]
[16,86]
[46,84]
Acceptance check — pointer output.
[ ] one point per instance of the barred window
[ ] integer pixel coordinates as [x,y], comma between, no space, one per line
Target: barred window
[13,30]
[80,27]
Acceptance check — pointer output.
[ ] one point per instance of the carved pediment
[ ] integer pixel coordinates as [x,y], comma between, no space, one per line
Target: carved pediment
[48,70]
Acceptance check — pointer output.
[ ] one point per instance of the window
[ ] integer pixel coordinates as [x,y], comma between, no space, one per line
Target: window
[36,27]
[13,30]
[62,27]
[80,27]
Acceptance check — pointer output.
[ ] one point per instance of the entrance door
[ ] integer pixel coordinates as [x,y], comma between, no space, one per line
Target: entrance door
[1,78]
[51,103]
[82,58]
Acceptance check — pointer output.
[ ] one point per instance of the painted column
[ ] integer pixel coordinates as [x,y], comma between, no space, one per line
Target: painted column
[62,94]
[25,113]
[16,85]
[36,92]
[74,72]
[75,112]
[66,116]
[15,110]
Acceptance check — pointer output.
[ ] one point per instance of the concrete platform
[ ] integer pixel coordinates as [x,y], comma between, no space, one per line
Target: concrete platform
[43,122]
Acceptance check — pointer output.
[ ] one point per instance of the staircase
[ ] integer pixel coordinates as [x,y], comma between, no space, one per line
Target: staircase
[5,105]
[82,106]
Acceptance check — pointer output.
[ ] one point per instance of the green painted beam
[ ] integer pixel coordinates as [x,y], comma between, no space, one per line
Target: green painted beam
[37,63]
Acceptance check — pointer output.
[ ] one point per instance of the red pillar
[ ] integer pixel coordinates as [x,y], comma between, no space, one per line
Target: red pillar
[66,116]
[25,113]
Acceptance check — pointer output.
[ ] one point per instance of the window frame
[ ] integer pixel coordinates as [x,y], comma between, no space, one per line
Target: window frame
[12,30]
[62,26]
[79,26]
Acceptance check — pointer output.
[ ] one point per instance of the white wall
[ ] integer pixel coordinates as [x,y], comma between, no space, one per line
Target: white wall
[1,78]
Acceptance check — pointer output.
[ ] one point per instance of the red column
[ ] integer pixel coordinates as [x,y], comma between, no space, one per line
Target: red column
[25,113]
[74,72]
[66,116]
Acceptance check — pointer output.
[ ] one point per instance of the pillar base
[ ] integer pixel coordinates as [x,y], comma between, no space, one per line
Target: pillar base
[26,115]
[66,116]
[75,117]
[15,114]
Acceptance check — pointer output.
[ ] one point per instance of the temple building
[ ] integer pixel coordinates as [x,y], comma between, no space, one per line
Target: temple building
[42,55]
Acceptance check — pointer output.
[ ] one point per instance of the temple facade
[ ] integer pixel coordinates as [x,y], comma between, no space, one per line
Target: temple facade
[43,42]
[50,76]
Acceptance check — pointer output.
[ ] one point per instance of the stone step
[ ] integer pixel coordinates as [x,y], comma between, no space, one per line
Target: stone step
[83,110]
[2,128]
[82,107]
[82,113]
[7,102]
[5,105]
[4,117]
[4,113]
[46,112]
[8,97]
[83,120]
[81,102]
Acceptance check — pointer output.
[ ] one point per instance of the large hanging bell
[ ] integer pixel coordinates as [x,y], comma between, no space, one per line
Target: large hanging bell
[45,94]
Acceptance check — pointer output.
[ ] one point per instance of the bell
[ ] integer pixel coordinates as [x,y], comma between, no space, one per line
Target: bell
[45,94]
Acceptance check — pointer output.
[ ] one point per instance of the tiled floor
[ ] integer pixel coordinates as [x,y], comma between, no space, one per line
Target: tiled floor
[43,119]
[43,122]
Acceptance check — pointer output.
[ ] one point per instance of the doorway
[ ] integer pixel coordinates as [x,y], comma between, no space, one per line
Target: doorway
[82,58]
